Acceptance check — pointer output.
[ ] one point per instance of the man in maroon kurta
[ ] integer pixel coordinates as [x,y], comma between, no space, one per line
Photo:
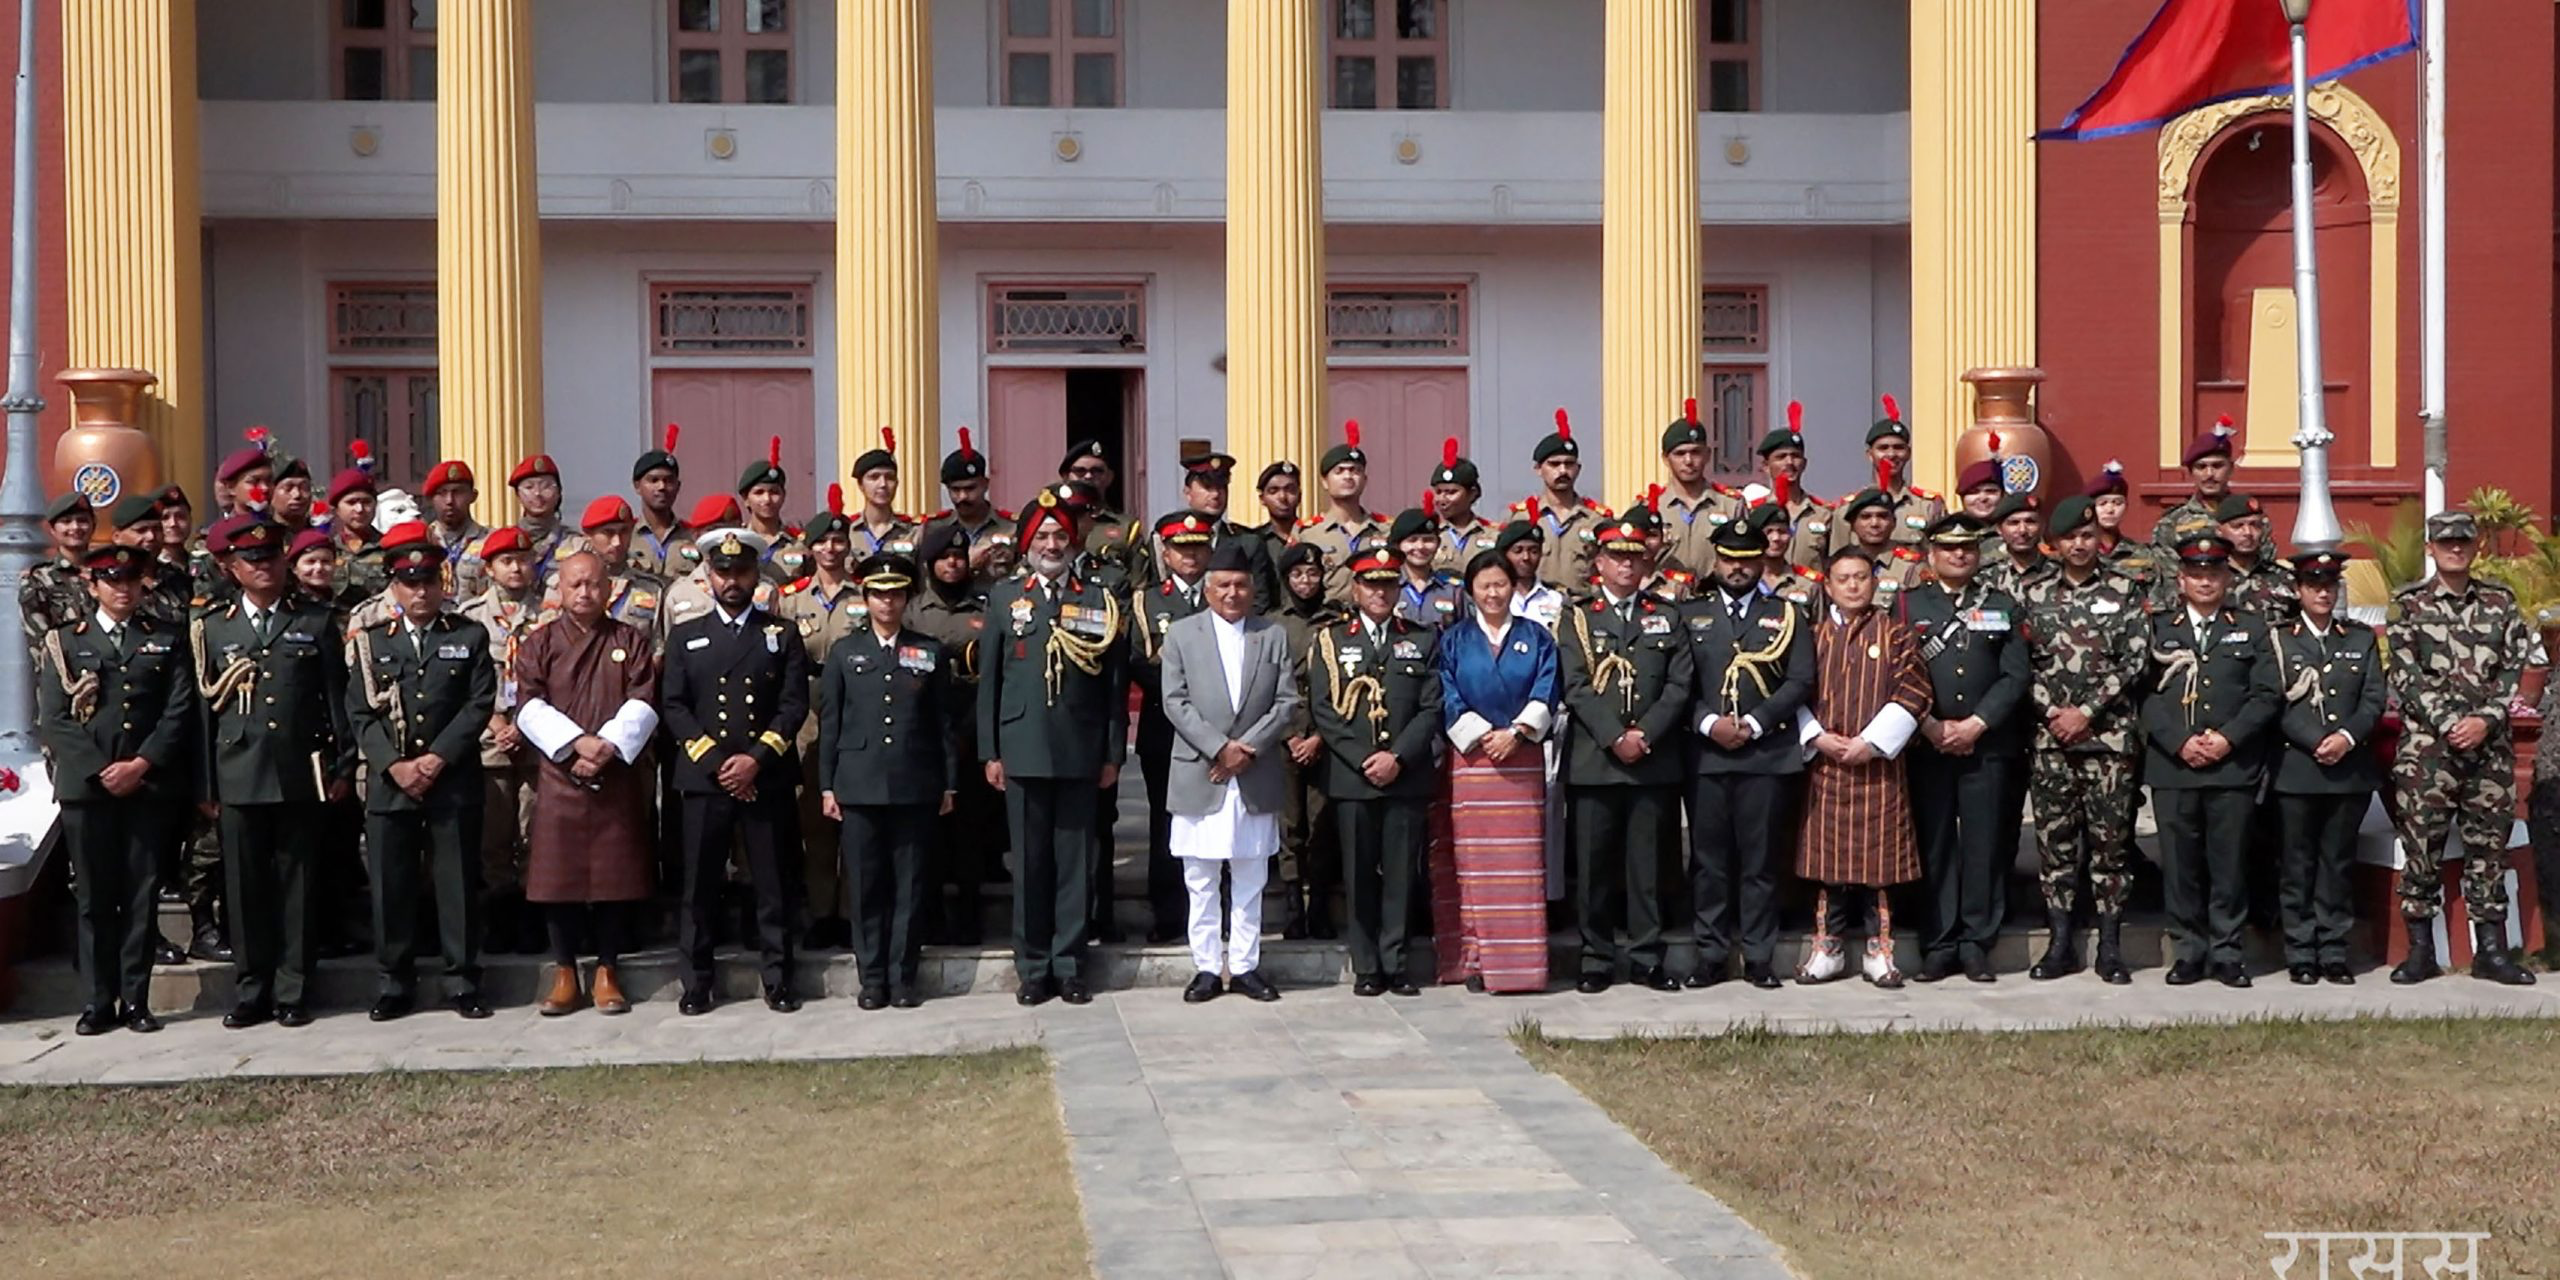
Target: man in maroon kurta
[1870,688]
[586,689]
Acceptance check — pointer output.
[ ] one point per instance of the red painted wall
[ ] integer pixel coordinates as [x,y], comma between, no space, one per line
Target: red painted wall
[2098,259]
[52,326]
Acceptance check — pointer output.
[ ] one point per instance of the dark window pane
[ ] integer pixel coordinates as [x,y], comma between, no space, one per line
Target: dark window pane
[1027,17]
[1418,19]
[422,15]
[698,75]
[1728,86]
[422,73]
[1097,19]
[1097,80]
[364,75]
[768,75]
[697,15]
[1417,83]
[1357,20]
[1355,83]
[364,15]
[1026,80]
[424,441]
[1729,21]
[768,16]
[366,404]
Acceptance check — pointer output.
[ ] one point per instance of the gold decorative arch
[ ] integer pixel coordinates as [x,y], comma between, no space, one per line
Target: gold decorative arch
[2377,151]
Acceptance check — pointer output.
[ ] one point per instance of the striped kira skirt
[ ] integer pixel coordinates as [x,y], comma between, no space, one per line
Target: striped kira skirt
[1489,873]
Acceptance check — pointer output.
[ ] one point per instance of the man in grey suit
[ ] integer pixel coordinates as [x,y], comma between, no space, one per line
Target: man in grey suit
[1230,696]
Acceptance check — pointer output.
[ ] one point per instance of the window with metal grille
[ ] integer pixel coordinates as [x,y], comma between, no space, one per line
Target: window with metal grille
[1734,382]
[1735,318]
[1066,318]
[729,51]
[1728,55]
[1061,53]
[1396,320]
[381,318]
[382,50]
[1389,54]
[728,319]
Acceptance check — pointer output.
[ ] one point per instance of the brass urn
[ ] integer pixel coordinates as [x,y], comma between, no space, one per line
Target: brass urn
[104,455]
[2002,406]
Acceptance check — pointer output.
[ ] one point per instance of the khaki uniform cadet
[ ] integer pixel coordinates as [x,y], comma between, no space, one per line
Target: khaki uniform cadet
[1898,563]
[1914,508]
[1978,673]
[972,836]
[654,550]
[989,541]
[274,683]
[786,556]
[737,689]
[1423,597]
[638,598]
[1053,718]
[1460,541]
[1340,535]
[2086,642]
[1152,613]
[1810,520]
[1626,671]
[2260,584]
[1569,519]
[878,530]
[888,759]
[2331,677]
[1688,524]
[543,535]
[1201,476]
[1374,682]
[821,613]
[506,815]
[55,592]
[1309,867]
[115,695]
[421,688]
[2457,646]
[2212,677]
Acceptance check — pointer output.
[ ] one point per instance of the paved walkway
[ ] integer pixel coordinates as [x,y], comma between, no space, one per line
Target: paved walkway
[1321,1136]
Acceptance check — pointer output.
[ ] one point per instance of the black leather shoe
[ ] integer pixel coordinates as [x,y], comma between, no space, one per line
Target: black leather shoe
[250,1015]
[872,998]
[1403,987]
[2304,975]
[1977,968]
[2185,973]
[138,1019]
[1035,991]
[388,1008]
[167,955]
[1592,984]
[1937,968]
[94,1022]
[209,944]
[1204,988]
[292,1015]
[2230,974]
[1707,976]
[906,999]
[472,1005]
[782,999]
[1369,985]
[2338,974]
[1253,986]
[695,1002]
[1658,978]
[1073,992]
[1763,976]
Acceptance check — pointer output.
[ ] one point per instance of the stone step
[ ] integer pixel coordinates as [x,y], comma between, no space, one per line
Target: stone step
[50,986]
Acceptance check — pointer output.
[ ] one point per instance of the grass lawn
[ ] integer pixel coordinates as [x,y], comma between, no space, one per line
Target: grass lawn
[927,1167]
[2104,1153]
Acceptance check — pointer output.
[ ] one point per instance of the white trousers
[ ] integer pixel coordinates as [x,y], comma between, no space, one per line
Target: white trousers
[1241,950]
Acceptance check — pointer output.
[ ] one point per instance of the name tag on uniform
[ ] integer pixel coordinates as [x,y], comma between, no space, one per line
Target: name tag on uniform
[2236,637]
[1770,621]
[298,637]
[1986,619]
[453,651]
[1350,653]
[915,658]
[230,649]
[1408,650]
[1656,625]
[2104,607]
[1703,623]
[698,642]
[153,646]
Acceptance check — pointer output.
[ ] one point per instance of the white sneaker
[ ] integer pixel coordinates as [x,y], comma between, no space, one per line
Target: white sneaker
[1824,960]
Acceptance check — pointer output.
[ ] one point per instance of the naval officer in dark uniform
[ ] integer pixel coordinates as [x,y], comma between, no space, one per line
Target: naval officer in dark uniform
[116,710]
[888,753]
[733,696]
[1373,685]
[1053,730]
[420,688]
[278,752]
[2329,673]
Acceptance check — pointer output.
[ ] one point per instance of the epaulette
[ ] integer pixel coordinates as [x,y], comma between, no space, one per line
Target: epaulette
[797,585]
[1918,492]
[1380,517]
[1904,551]
[1679,575]
[1309,522]
[1808,573]
[81,627]
[1521,505]
[1594,504]
[1002,514]
[2415,587]
[1725,489]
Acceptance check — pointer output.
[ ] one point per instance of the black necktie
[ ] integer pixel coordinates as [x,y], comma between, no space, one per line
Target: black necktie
[123,638]
[1737,604]
[1627,610]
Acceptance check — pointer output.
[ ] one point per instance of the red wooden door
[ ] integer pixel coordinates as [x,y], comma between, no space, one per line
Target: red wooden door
[1404,415]
[730,417]
[1026,432]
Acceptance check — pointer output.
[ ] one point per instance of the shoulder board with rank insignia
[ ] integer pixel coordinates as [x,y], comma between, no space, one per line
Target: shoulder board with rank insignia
[1903,551]
[1309,522]
[1918,492]
[1002,514]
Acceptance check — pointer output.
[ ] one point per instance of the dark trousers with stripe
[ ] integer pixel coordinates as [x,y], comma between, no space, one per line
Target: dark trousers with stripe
[115,883]
[769,828]
[273,886]
[1380,840]
[1053,822]
[1958,804]
[1617,834]
[1741,832]
[415,850]
[883,851]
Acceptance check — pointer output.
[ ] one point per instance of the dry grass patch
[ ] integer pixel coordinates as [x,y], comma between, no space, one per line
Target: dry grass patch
[2103,1152]
[926,1167]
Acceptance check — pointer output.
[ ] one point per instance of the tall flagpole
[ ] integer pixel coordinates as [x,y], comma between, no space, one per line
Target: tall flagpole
[22,539]
[2315,522]
[2431,285]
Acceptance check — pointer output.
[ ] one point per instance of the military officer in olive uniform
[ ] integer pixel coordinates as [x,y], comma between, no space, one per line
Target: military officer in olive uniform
[1206,482]
[1913,508]
[1309,866]
[167,590]
[420,689]
[55,592]
[887,763]
[1971,743]
[951,606]
[2209,699]
[278,750]
[1373,679]
[2330,672]
[1626,671]
[733,697]
[1052,732]
[116,712]
[1183,543]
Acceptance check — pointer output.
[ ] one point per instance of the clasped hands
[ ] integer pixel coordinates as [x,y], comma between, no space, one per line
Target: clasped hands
[1953,737]
[1233,758]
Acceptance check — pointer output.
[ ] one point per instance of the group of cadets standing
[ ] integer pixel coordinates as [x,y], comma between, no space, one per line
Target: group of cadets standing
[247,679]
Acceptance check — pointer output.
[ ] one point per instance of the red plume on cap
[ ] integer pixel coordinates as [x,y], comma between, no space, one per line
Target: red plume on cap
[888,440]
[1531,507]
[835,498]
[1653,497]
[1884,476]
[260,437]
[773,452]
[1795,416]
[1892,410]
[1781,490]
[965,450]
[1351,432]
[2114,466]
[363,455]
[2222,425]
[1430,505]
[1563,428]
[1689,411]
[672,431]
[1449,452]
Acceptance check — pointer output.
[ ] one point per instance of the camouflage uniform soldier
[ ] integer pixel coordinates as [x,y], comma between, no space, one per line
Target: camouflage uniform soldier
[2456,647]
[2019,520]
[2208,463]
[2259,583]
[55,592]
[2085,644]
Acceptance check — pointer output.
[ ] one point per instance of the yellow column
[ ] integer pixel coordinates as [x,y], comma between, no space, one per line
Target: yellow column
[1649,291]
[1973,203]
[488,246]
[134,237]
[888,313]
[1275,235]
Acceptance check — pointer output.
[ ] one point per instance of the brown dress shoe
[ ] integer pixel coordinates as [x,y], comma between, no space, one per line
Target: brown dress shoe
[564,997]
[608,993]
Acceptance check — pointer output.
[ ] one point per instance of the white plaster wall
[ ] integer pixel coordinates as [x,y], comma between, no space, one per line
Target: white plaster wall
[269,334]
